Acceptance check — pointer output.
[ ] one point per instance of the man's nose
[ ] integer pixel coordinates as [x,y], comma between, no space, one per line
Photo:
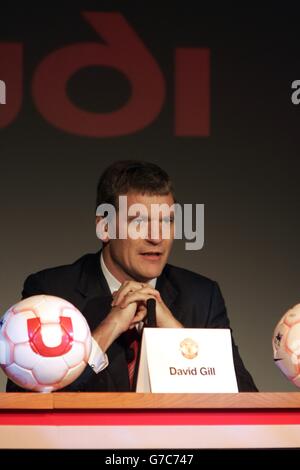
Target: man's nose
[154,234]
[154,241]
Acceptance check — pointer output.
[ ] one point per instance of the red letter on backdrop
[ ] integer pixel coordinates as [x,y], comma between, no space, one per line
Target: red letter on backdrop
[123,51]
[11,74]
[192,89]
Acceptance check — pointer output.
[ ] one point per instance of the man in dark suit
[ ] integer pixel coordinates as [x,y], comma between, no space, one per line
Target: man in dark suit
[111,288]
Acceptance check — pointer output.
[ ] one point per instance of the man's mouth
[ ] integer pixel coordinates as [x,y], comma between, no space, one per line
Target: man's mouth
[152,255]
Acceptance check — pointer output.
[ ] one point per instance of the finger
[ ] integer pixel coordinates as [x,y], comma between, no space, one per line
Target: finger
[125,289]
[151,291]
[144,290]
[147,290]
[136,296]
[139,317]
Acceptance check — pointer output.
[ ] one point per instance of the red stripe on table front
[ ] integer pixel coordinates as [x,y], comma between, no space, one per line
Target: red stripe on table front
[148,418]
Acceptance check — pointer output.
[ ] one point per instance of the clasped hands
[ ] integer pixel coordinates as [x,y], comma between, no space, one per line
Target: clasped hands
[128,309]
[130,303]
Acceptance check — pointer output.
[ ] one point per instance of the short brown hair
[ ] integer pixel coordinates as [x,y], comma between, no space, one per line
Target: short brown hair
[132,175]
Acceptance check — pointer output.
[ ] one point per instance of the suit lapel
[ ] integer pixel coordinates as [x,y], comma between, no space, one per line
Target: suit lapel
[92,281]
[169,294]
[95,296]
[167,290]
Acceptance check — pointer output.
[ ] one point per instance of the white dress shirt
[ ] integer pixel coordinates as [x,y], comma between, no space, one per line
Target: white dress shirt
[98,360]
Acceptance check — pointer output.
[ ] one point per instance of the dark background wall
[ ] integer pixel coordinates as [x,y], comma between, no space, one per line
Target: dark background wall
[245,170]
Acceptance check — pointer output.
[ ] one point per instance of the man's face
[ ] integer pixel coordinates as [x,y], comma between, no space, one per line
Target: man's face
[144,258]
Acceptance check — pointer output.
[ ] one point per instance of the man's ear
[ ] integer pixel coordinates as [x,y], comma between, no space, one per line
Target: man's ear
[102,229]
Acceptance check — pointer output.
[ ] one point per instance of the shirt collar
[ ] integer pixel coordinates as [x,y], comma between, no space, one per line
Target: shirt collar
[113,282]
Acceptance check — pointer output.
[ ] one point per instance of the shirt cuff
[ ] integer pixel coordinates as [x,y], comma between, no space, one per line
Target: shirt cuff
[98,360]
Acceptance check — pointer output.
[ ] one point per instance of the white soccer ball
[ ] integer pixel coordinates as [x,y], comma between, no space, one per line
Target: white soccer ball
[45,343]
[286,344]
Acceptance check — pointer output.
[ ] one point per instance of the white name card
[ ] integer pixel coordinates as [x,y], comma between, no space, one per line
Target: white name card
[186,360]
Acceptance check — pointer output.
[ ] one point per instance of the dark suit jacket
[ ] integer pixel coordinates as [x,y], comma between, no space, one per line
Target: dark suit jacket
[194,300]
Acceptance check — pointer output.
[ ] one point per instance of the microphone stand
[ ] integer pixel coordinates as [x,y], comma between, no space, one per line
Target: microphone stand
[151,313]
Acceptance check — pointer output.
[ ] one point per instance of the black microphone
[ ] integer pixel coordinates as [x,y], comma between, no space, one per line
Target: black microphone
[151,313]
